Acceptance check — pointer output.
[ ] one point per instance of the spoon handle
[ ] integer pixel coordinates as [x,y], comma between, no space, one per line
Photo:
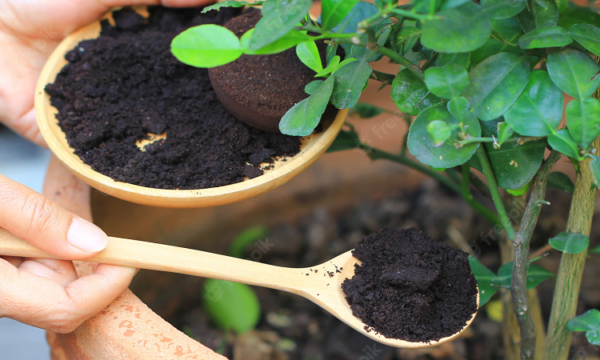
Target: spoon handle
[151,256]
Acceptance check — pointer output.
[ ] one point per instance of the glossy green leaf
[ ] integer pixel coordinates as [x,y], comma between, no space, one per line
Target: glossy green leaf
[407,38]
[561,181]
[206,46]
[486,280]
[331,66]
[334,11]
[231,306]
[584,322]
[595,250]
[509,30]
[583,120]
[278,18]
[291,39]
[448,81]
[595,168]
[545,37]
[572,16]
[535,275]
[309,55]
[593,336]
[495,84]
[520,191]
[411,94]
[563,142]
[361,11]
[447,155]
[574,72]
[504,132]
[588,36]
[439,132]
[345,140]
[570,243]
[502,9]
[539,109]
[459,108]
[243,240]
[365,110]
[461,59]
[303,117]
[540,14]
[234,4]
[515,165]
[312,86]
[350,81]
[460,29]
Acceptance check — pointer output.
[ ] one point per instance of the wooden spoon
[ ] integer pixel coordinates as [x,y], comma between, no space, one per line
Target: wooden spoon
[321,284]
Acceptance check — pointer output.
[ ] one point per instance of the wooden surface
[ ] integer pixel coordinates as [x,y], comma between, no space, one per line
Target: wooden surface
[318,286]
[312,147]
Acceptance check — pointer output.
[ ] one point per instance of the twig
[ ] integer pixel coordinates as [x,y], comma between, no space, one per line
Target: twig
[521,258]
[541,251]
[493,186]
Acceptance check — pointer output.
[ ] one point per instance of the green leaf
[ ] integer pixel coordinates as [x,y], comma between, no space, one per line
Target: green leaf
[309,55]
[288,41]
[545,37]
[411,94]
[593,336]
[485,281]
[460,29]
[382,32]
[312,86]
[563,142]
[334,11]
[439,132]
[502,9]
[595,250]
[583,120]
[495,84]
[459,108]
[595,168]
[278,18]
[504,132]
[234,4]
[461,59]
[539,109]
[345,140]
[304,117]
[570,243]
[540,14]
[246,238]
[447,82]
[561,181]
[520,191]
[509,30]
[231,306]
[361,11]
[407,38]
[584,322]
[573,72]
[588,36]
[332,66]
[446,155]
[535,275]
[365,110]
[572,16]
[515,165]
[350,81]
[206,46]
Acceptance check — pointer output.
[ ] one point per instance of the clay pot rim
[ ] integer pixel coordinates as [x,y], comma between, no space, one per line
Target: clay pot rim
[312,147]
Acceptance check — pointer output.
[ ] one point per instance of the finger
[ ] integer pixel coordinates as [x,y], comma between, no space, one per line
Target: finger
[60,271]
[14,261]
[45,225]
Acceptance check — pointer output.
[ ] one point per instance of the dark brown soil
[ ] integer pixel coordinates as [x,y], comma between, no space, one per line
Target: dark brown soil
[410,287]
[126,84]
[265,86]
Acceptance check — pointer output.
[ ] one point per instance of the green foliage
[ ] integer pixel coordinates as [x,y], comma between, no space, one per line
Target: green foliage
[334,11]
[595,168]
[206,46]
[535,275]
[503,9]
[545,37]
[439,132]
[485,280]
[588,36]
[563,142]
[278,18]
[304,117]
[573,72]
[234,4]
[561,181]
[448,81]
[288,41]
[345,140]
[312,86]
[588,322]
[595,250]
[540,14]
[583,120]
[504,132]
[350,81]
[570,243]
[411,94]
[309,55]
[365,110]
[231,306]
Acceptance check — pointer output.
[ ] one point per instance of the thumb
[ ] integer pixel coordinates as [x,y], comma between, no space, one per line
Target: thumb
[45,225]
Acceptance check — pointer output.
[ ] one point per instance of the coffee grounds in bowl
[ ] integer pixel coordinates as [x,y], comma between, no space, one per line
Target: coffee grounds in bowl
[124,85]
[410,287]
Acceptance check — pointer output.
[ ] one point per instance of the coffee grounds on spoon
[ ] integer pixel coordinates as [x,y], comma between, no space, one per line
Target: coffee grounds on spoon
[410,287]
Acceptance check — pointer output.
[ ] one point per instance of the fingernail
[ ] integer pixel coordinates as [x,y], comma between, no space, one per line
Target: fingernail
[86,236]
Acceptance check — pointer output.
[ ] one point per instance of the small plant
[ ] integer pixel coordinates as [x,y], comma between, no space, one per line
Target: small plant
[486,83]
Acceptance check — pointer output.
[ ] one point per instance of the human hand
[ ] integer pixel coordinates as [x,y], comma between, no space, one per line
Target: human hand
[29,32]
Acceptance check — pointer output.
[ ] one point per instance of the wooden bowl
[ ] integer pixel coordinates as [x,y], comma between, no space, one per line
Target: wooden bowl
[312,147]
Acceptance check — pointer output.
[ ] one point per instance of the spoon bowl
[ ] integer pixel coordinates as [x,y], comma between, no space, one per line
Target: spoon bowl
[322,284]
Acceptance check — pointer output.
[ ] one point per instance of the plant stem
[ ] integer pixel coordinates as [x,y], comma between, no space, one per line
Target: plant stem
[518,140]
[493,185]
[568,281]
[521,258]
[375,154]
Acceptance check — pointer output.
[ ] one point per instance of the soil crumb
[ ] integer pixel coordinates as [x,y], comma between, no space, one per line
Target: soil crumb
[410,287]
[121,87]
